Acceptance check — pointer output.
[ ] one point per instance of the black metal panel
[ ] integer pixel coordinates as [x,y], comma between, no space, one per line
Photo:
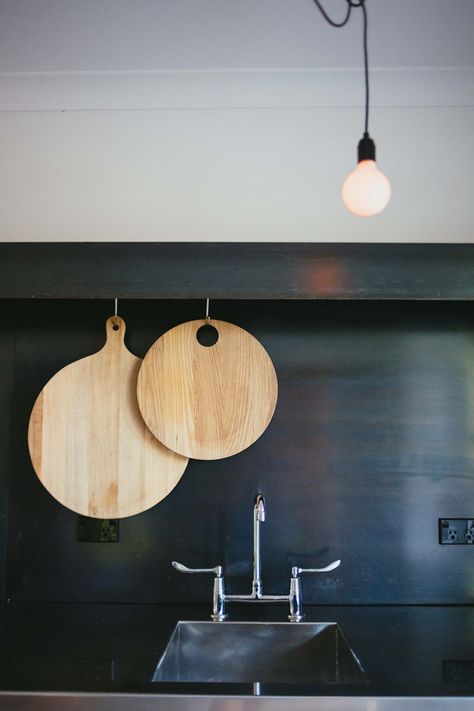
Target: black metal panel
[370,445]
[7,352]
[237,271]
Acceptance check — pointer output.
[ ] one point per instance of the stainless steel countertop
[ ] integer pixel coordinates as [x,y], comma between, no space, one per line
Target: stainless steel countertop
[147,702]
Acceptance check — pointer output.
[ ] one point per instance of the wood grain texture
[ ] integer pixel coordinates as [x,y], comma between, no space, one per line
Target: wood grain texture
[207,402]
[88,443]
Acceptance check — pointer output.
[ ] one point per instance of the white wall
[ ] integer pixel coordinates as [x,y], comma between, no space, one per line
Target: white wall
[231,120]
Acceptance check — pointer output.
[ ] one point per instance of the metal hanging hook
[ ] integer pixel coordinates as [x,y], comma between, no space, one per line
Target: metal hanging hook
[116,307]
[208,318]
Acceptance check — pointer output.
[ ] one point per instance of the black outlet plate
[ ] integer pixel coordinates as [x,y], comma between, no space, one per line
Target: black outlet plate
[458,672]
[456,531]
[95,530]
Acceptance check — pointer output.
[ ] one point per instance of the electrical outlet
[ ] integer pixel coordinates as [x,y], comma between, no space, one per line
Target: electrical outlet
[95,530]
[456,531]
[458,672]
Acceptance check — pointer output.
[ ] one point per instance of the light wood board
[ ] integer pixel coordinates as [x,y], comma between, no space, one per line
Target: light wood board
[207,402]
[88,443]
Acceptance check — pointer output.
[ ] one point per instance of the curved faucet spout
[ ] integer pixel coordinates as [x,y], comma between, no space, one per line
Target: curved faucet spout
[259,508]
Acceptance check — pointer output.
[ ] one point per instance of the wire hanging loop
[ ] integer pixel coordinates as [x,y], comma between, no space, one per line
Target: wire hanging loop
[208,318]
[332,22]
[115,319]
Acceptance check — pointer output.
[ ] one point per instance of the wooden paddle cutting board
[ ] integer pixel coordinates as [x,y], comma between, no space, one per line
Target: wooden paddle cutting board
[88,443]
[207,401]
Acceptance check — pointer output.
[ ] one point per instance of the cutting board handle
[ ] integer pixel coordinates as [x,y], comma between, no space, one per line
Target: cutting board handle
[115,330]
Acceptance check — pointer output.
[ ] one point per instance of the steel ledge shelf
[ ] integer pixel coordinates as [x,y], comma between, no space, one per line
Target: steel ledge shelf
[185,270]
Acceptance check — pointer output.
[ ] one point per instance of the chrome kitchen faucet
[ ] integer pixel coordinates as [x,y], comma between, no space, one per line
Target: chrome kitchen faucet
[219,596]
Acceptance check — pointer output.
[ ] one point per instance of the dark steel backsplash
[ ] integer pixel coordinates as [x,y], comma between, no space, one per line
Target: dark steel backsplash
[372,442]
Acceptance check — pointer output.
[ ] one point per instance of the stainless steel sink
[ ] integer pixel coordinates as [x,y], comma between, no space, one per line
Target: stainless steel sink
[252,652]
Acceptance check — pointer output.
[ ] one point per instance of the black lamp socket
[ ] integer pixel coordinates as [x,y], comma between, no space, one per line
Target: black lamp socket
[365,148]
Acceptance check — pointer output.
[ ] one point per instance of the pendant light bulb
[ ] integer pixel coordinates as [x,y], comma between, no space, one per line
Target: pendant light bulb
[366,191]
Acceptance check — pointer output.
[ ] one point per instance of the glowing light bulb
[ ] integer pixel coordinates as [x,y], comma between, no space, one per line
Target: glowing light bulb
[366,191]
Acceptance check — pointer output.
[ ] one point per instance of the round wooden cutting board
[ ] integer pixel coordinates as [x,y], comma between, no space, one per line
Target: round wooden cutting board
[207,401]
[88,443]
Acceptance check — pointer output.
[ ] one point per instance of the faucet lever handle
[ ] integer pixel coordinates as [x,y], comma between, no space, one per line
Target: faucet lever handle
[184,569]
[295,571]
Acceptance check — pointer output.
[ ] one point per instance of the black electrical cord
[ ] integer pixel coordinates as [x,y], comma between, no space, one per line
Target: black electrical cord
[328,19]
[350,5]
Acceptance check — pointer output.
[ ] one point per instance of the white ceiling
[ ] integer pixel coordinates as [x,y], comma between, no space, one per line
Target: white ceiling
[231,119]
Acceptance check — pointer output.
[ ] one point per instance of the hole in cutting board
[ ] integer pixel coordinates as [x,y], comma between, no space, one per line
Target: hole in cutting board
[207,335]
